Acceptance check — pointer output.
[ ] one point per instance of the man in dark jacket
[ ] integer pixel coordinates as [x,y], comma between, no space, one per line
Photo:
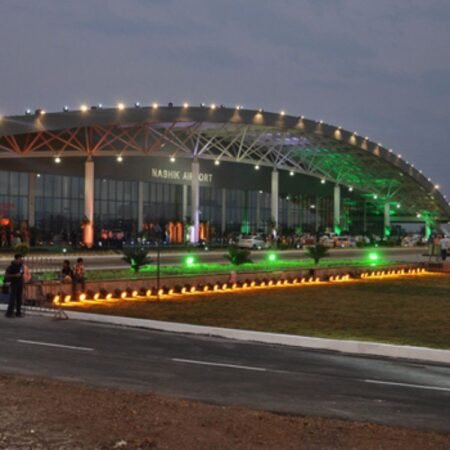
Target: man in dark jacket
[14,275]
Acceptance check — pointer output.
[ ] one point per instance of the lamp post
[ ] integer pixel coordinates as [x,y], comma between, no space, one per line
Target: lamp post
[158,264]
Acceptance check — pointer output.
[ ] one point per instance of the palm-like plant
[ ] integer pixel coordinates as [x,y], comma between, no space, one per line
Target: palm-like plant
[136,257]
[317,252]
[238,256]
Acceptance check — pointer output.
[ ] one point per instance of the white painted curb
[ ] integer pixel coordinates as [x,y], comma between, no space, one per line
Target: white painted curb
[344,346]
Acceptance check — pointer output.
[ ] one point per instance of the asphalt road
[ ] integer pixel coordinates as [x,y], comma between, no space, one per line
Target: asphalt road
[274,378]
[114,261]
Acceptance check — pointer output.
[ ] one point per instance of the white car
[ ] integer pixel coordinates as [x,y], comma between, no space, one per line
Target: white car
[252,241]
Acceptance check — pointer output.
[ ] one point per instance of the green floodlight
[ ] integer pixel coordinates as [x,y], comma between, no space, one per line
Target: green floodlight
[374,257]
[272,257]
[189,261]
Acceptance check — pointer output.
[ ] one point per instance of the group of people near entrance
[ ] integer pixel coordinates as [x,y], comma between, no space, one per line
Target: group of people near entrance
[17,274]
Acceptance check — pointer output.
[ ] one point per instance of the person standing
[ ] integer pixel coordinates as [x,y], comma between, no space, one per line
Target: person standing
[78,277]
[14,275]
[443,243]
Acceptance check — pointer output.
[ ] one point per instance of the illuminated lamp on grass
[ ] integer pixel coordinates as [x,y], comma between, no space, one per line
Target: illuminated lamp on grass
[97,296]
[108,296]
[373,257]
[67,298]
[189,261]
[81,297]
[272,257]
[135,293]
[56,299]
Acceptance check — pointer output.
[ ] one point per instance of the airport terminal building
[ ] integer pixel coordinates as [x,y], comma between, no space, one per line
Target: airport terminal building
[210,169]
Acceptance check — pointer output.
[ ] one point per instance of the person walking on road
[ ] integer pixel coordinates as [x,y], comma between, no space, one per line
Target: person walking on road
[14,276]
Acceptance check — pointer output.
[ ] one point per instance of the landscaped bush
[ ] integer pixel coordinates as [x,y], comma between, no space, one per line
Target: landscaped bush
[317,252]
[238,256]
[136,257]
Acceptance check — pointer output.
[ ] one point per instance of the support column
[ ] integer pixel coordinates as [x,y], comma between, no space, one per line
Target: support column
[337,210]
[195,201]
[184,203]
[317,214]
[223,227]
[258,211]
[365,217]
[245,224]
[140,218]
[31,200]
[88,222]
[274,199]
[387,220]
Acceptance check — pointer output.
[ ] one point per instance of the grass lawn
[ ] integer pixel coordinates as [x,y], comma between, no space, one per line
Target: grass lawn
[149,271]
[410,310]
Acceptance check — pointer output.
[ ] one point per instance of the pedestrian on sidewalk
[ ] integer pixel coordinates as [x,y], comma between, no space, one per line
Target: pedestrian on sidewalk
[14,276]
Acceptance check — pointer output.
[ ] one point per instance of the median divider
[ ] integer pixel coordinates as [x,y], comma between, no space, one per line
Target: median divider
[344,346]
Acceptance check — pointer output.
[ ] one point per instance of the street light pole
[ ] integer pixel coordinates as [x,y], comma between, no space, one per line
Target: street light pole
[158,263]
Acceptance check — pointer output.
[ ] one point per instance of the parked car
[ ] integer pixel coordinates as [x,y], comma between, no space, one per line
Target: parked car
[344,242]
[254,241]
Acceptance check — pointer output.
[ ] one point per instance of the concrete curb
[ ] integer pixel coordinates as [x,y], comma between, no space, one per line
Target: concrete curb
[336,345]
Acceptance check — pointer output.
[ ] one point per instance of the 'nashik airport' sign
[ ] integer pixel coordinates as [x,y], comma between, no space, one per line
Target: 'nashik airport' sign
[180,175]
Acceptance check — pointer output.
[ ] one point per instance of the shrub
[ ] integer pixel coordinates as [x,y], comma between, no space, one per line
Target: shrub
[238,256]
[22,248]
[136,257]
[317,252]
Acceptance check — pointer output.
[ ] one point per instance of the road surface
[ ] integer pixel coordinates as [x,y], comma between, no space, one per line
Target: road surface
[227,372]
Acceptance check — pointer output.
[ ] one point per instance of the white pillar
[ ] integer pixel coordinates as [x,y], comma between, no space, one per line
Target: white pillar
[387,220]
[224,211]
[31,199]
[184,202]
[274,198]
[88,231]
[140,218]
[337,209]
[316,214]
[195,201]
[258,210]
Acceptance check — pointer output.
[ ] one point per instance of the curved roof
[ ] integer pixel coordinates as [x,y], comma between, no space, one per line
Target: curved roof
[295,144]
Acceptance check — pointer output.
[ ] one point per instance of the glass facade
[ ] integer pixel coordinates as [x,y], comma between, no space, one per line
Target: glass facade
[162,202]
[59,206]
[14,196]
[116,204]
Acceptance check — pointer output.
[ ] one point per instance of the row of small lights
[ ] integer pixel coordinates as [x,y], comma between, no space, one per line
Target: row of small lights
[144,293]
[121,106]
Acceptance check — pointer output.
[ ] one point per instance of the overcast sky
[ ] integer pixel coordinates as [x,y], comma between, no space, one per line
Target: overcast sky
[380,67]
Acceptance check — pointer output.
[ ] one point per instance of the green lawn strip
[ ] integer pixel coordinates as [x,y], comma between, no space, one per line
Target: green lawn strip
[410,311]
[217,268]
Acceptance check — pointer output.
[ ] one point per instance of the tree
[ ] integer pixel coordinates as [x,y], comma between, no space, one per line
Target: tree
[317,252]
[136,257]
